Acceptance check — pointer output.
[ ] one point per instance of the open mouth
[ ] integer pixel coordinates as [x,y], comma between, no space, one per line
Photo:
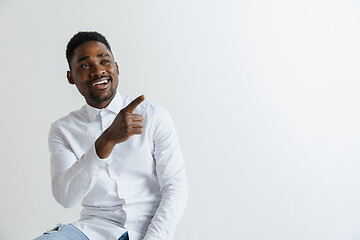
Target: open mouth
[101,83]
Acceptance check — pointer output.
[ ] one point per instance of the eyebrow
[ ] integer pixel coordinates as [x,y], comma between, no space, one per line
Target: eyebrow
[99,56]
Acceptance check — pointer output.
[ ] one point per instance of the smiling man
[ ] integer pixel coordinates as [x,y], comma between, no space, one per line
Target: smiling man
[120,157]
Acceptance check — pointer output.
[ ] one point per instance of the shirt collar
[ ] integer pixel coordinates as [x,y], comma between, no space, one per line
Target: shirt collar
[114,106]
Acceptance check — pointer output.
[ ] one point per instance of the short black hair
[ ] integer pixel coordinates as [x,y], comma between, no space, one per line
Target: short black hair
[82,37]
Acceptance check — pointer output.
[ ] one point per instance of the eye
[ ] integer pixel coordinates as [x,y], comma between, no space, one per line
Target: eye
[84,66]
[106,61]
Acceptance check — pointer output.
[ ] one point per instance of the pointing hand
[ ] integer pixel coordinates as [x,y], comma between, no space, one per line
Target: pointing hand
[125,125]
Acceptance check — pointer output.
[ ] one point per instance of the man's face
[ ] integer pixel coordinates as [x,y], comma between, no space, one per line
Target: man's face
[95,73]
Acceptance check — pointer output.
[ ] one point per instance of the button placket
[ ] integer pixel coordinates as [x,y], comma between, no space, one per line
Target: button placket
[106,121]
[102,120]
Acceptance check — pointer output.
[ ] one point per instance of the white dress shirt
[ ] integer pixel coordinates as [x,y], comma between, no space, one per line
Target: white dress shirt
[140,188]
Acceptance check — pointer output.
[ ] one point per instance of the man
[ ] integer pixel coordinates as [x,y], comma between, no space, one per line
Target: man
[120,156]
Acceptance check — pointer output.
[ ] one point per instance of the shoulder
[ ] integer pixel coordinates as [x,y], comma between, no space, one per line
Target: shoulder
[76,116]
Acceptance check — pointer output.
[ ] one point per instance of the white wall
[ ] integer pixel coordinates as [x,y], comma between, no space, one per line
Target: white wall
[265,96]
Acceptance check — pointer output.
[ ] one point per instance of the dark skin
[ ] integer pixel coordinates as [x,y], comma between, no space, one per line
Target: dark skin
[95,74]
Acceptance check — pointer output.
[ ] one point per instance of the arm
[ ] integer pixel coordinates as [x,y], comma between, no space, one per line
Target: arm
[73,178]
[171,174]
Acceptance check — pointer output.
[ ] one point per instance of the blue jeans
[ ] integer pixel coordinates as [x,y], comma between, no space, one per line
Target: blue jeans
[63,232]
[69,232]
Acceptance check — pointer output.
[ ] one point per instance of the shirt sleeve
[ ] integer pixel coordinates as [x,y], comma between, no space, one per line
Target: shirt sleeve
[172,179]
[72,178]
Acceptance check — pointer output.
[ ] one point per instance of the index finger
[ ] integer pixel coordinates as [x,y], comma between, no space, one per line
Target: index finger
[131,107]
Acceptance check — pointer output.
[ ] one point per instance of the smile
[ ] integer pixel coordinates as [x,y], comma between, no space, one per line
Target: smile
[101,82]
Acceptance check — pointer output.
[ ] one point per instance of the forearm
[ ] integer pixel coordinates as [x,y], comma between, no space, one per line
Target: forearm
[71,184]
[104,145]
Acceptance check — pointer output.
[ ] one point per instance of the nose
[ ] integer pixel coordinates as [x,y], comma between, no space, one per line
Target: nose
[97,70]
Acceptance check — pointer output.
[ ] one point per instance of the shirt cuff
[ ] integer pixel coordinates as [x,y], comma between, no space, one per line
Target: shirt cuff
[92,163]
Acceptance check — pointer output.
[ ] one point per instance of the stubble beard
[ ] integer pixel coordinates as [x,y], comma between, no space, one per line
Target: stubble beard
[99,99]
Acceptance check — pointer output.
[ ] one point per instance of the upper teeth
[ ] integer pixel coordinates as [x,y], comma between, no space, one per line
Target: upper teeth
[101,82]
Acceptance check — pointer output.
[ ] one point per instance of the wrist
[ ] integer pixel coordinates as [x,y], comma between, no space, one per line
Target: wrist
[107,138]
[104,145]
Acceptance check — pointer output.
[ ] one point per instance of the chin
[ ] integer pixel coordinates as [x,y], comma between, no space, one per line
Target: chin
[101,99]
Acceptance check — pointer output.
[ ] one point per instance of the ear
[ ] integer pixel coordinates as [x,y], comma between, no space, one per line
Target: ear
[117,68]
[69,77]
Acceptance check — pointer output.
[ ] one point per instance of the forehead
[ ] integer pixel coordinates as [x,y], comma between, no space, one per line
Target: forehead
[90,49]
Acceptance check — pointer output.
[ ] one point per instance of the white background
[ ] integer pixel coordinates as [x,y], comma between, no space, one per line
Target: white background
[264,94]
